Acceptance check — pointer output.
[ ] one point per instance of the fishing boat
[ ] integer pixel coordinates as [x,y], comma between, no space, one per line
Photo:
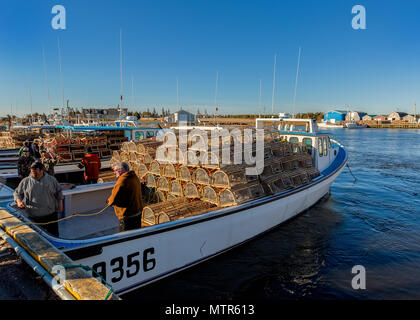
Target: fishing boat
[329,125]
[135,258]
[354,125]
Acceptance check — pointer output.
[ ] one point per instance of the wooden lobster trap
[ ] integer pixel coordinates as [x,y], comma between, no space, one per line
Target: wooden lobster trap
[124,147]
[201,177]
[150,212]
[131,147]
[78,155]
[163,184]
[161,195]
[298,177]
[248,191]
[210,195]
[305,160]
[116,155]
[169,171]
[229,176]
[65,156]
[155,168]
[191,191]
[290,162]
[189,209]
[272,167]
[142,170]
[175,188]
[274,184]
[183,174]
[151,180]
[312,172]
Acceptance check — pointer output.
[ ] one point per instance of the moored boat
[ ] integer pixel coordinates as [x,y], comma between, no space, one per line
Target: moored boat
[135,258]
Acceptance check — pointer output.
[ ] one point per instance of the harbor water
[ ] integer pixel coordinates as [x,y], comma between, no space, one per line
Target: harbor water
[371,218]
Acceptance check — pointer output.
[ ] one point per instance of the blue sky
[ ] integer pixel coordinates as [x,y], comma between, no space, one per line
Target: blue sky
[374,70]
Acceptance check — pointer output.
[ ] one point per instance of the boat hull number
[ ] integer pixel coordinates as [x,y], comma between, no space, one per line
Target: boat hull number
[127,267]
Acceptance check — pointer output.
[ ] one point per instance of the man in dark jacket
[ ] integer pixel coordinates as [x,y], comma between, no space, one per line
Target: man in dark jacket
[92,164]
[24,163]
[126,198]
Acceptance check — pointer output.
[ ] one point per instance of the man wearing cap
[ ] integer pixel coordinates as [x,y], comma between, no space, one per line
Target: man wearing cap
[24,163]
[126,197]
[41,197]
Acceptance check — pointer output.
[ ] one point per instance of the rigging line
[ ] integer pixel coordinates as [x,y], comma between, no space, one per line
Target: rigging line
[347,165]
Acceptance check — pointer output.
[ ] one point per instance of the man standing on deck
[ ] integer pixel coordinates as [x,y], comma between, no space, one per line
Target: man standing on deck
[40,195]
[92,164]
[24,163]
[126,198]
[49,161]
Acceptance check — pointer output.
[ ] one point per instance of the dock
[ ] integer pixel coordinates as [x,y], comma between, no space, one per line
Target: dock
[43,258]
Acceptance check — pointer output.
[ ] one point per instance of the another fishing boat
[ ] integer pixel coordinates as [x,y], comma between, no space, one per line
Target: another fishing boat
[354,125]
[131,259]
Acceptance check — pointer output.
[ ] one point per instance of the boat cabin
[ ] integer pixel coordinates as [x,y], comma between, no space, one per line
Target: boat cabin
[304,131]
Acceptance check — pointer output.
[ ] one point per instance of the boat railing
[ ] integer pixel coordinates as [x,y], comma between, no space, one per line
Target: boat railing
[336,142]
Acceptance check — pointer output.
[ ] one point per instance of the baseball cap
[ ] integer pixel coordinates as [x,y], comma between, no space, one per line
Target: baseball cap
[26,150]
[37,165]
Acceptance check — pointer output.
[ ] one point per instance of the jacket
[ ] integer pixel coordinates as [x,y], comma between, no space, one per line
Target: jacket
[126,196]
[92,164]
[24,166]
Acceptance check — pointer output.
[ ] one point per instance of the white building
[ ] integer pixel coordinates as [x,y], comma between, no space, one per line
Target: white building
[183,116]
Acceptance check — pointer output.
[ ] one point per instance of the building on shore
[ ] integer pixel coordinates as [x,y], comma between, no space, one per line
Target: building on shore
[369,117]
[410,118]
[104,114]
[396,116]
[183,116]
[380,118]
[335,116]
[355,116]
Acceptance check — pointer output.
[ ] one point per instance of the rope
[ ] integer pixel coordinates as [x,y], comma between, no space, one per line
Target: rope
[65,218]
[87,268]
[351,172]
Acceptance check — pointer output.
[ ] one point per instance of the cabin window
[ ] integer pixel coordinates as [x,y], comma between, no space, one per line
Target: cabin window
[329,143]
[150,134]
[320,151]
[308,143]
[293,140]
[325,146]
[139,135]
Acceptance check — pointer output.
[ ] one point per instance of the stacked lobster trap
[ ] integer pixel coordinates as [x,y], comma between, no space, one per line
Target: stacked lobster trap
[197,180]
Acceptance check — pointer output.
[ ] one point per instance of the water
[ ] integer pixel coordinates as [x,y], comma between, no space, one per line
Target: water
[373,222]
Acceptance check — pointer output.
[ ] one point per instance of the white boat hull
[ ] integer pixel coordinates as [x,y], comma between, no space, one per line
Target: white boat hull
[172,247]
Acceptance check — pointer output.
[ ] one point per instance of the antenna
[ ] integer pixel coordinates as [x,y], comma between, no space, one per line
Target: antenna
[61,74]
[46,78]
[121,69]
[30,100]
[132,92]
[274,84]
[296,82]
[177,94]
[259,100]
[215,93]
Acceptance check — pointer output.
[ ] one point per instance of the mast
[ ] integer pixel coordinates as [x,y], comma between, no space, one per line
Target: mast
[215,94]
[46,79]
[259,99]
[296,82]
[177,93]
[274,84]
[61,73]
[121,71]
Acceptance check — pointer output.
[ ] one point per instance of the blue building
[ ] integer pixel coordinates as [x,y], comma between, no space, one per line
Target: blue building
[334,116]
